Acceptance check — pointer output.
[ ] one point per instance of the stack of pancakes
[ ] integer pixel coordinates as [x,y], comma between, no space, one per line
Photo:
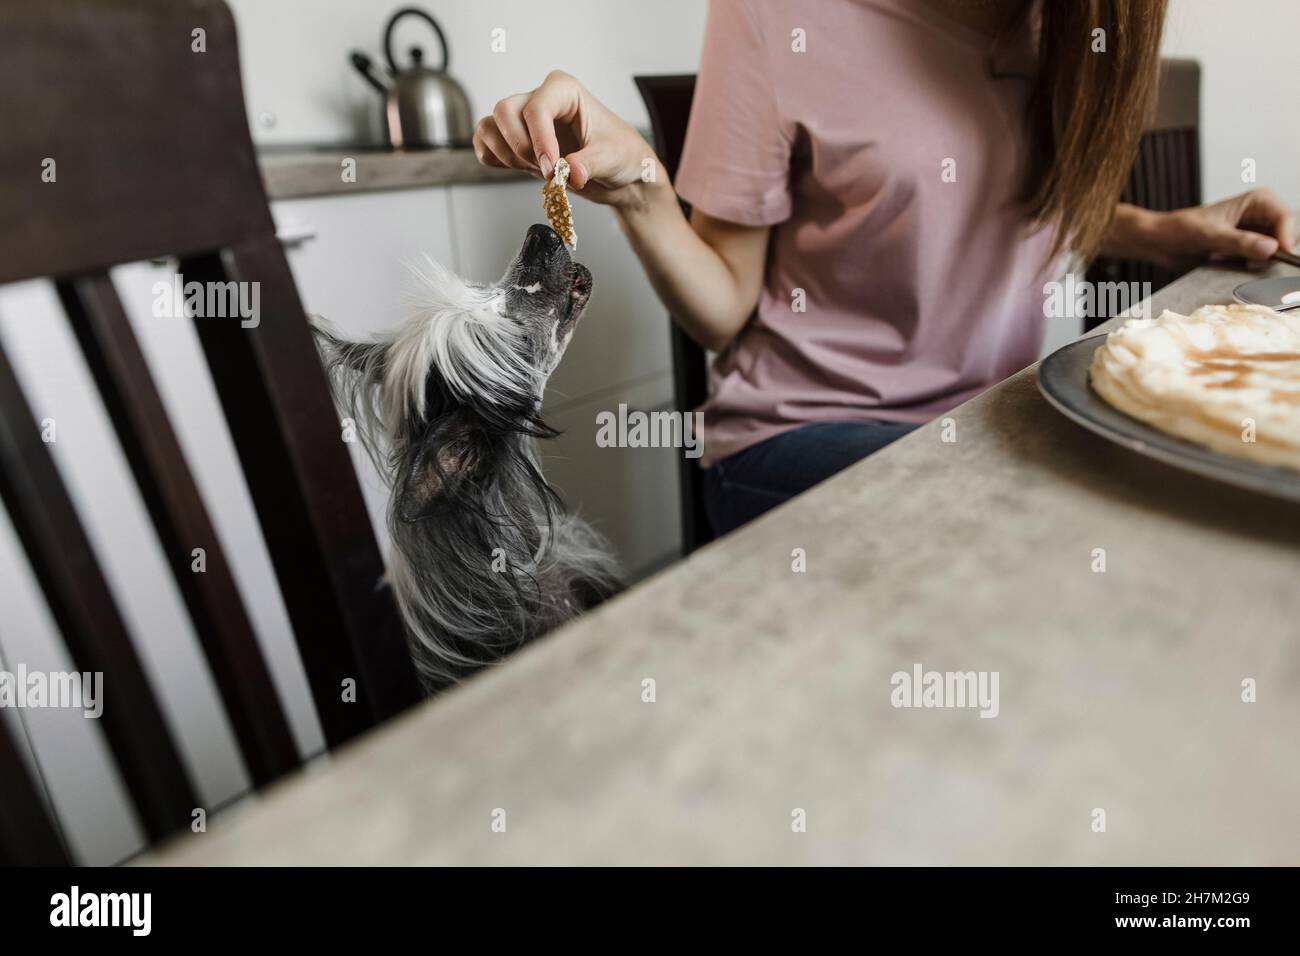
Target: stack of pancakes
[1226,377]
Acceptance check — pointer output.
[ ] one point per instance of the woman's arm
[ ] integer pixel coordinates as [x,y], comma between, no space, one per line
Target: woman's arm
[708,272]
[1251,226]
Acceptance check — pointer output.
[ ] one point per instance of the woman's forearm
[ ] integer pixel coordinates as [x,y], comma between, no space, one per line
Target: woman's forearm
[1251,226]
[1133,233]
[710,283]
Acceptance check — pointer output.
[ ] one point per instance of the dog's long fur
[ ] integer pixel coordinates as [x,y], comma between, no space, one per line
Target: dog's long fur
[484,558]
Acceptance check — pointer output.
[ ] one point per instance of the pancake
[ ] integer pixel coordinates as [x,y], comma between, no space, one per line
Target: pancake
[1206,377]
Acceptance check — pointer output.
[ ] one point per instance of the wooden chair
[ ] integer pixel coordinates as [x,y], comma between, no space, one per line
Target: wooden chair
[152,159]
[1166,173]
[668,101]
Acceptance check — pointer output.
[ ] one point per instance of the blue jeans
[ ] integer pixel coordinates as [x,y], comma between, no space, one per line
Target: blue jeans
[756,479]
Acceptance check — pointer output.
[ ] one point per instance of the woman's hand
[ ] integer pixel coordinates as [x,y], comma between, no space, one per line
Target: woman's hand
[1251,226]
[708,272]
[609,161]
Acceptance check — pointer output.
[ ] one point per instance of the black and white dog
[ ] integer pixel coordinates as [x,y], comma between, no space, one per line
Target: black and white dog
[448,407]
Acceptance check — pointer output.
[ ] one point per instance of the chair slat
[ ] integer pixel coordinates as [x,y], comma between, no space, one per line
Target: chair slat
[301,478]
[82,605]
[181,521]
[27,833]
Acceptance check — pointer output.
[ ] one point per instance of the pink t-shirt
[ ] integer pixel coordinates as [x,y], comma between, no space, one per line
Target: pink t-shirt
[903,276]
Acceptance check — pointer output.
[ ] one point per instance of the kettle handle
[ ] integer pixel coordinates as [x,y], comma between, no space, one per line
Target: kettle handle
[388,37]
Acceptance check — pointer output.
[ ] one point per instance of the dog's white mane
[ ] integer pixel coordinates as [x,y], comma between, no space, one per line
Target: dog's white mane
[458,328]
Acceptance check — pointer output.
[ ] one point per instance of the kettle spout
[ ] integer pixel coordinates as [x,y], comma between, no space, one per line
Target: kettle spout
[366,67]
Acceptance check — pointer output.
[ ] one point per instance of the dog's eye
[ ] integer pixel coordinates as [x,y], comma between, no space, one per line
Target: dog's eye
[435,396]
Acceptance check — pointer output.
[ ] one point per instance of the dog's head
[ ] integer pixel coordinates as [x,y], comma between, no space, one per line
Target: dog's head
[456,385]
[545,292]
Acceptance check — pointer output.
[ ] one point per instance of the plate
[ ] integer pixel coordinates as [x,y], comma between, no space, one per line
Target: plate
[1063,380]
[1280,292]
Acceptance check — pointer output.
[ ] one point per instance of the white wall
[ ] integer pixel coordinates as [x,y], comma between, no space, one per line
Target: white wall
[295,64]
[295,53]
[1248,55]
[1247,50]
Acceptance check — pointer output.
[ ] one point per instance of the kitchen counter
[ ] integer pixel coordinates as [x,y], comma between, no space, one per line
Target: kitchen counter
[291,172]
[1120,690]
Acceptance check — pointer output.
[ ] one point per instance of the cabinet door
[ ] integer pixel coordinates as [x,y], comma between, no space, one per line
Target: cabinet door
[629,494]
[351,255]
[351,258]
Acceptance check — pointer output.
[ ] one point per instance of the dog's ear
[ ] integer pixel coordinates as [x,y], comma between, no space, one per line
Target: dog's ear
[359,358]
[452,453]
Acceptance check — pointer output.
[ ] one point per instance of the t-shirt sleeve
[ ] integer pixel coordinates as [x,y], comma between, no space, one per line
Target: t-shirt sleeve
[736,160]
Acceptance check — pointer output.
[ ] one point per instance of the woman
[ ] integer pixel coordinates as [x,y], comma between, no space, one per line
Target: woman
[885,186]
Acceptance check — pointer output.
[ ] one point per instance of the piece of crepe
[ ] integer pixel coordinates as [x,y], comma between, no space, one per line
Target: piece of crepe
[1226,377]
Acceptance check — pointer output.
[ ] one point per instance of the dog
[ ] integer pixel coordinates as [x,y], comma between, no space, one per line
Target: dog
[448,407]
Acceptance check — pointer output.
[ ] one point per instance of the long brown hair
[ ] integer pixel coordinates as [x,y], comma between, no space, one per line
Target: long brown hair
[1088,110]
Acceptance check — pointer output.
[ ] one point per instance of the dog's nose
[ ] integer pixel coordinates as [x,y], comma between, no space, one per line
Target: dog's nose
[541,242]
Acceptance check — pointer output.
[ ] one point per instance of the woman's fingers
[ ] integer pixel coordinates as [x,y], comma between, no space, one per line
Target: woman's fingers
[1264,210]
[510,124]
[1245,243]
[608,159]
[1252,226]
[492,149]
[559,98]
[594,161]
[525,123]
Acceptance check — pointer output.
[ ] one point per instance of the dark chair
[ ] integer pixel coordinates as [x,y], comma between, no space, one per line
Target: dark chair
[668,101]
[154,160]
[1166,174]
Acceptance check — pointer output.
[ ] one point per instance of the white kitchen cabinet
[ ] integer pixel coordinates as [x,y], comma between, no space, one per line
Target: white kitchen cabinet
[629,494]
[353,270]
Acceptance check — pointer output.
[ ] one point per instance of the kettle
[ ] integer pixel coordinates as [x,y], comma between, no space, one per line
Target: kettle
[423,107]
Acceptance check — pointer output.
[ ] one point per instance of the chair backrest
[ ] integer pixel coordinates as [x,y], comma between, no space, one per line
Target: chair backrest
[668,101]
[1166,173]
[124,142]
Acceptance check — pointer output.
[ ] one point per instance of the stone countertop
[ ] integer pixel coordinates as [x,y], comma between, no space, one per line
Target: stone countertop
[1118,691]
[294,172]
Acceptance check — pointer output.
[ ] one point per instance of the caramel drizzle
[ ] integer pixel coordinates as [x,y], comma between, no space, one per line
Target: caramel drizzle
[1240,365]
